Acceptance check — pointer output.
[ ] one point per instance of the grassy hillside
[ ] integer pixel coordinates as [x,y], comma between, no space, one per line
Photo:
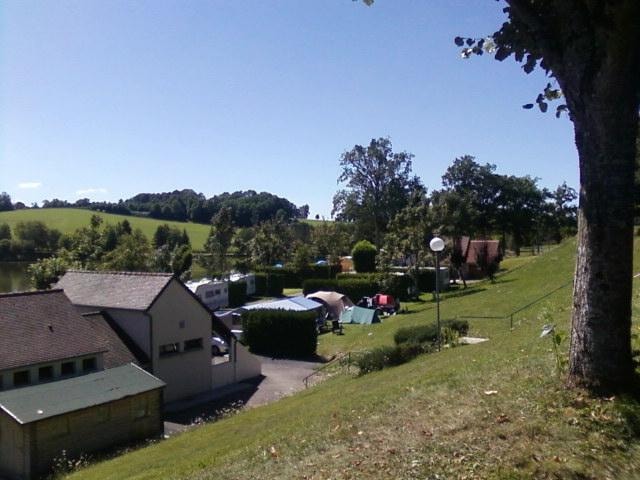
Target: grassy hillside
[68,220]
[435,417]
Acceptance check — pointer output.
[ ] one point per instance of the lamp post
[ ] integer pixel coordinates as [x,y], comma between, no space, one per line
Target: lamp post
[437,245]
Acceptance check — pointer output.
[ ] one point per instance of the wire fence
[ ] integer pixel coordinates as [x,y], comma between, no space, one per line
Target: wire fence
[510,315]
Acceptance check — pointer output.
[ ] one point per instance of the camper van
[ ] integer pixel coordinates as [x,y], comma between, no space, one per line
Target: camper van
[213,293]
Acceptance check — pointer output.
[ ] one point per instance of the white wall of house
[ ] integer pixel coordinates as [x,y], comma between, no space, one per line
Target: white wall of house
[242,365]
[134,322]
[178,319]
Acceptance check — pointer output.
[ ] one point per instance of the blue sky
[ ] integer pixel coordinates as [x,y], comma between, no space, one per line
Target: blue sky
[106,99]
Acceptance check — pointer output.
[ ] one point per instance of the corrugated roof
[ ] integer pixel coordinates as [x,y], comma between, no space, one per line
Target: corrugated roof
[30,404]
[128,290]
[296,304]
[39,327]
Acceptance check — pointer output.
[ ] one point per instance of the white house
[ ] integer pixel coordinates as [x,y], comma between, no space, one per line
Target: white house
[213,293]
[165,320]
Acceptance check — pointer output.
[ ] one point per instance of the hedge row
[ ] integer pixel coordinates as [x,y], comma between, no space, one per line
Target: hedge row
[269,284]
[355,289]
[280,333]
[428,333]
[382,357]
[293,278]
[237,294]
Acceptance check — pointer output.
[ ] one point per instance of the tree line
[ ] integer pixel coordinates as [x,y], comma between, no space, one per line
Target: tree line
[248,208]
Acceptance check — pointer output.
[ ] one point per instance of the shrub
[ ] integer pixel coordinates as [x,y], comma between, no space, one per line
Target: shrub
[294,277]
[274,285]
[388,356]
[400,286]
[261,284]
[237,294]
[427,280]
[364,256]
[429,333]
[280,333]
[316,284]
[355,288]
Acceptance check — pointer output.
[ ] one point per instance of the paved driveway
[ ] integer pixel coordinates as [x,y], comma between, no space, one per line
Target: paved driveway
[279,378]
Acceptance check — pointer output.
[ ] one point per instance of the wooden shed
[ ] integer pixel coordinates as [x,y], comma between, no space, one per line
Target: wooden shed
[79,415]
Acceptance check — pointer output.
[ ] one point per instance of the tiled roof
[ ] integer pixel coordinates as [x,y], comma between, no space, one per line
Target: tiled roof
[30,404]
[121,349]
[127,290]
[38,327]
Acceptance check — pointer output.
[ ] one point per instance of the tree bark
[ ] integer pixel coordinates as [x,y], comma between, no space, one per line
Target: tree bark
[593,51]
[600,351]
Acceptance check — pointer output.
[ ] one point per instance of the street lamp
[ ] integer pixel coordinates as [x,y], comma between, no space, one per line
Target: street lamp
[437,245]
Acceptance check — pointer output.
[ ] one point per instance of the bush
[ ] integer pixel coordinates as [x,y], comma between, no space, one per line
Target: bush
[387,356]
[427,280]
[280,333]
[261,284]
[294,278]
[274,285]
[400,286]
[364,256]
[316,284]
[355,289]
[429,333]
[237,294]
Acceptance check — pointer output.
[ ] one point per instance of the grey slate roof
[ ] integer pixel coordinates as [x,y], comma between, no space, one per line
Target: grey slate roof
[121,349]
[39,327]
[30,404]
[127,290]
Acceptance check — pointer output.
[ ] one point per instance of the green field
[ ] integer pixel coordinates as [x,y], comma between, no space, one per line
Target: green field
[67,220]
[494,410]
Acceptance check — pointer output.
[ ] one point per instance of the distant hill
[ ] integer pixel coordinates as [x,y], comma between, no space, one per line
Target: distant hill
[67,220]
[248,207]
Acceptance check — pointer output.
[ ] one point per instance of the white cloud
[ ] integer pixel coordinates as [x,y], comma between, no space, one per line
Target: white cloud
[30,185]
[87,191]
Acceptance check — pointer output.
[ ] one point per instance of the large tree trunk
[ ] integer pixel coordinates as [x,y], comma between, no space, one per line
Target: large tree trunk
[600,356]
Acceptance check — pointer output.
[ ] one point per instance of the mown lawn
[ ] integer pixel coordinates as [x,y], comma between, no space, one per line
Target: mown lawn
[494,410]
[67,220]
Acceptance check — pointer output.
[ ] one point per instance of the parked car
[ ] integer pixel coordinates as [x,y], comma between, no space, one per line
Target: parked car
[218,346]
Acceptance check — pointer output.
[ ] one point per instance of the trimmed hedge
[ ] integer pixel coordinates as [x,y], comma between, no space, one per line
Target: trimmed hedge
[364,256]
[280,333]
[237,294]
[269,285]
[428,333]
[355,289]
[387,356]
[293,278]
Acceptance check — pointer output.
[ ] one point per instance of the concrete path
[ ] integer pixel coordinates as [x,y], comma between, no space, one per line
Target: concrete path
[279,378]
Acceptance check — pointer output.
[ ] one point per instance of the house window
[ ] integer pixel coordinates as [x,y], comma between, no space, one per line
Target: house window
[218,291]
[193,344]
[21,378]
[67,368]
[45,373]
[208,294]
[89,364]
[169,349]
[140,407]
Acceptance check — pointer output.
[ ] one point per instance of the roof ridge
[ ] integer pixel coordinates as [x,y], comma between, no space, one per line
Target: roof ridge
[31,292]
[122,272]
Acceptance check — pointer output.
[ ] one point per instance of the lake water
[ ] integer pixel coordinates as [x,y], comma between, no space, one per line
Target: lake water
[14,277]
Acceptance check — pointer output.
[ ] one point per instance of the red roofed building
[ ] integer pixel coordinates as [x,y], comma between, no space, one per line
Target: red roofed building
[477,252]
